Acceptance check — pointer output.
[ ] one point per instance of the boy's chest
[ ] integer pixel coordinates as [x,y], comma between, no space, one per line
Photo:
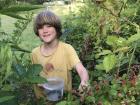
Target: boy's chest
[56,62]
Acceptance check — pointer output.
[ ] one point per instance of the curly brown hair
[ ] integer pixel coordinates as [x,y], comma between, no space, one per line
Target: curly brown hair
[47,18]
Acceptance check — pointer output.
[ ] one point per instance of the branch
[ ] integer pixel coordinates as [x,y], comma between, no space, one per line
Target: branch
[119,13]
[109,10]
[116,15]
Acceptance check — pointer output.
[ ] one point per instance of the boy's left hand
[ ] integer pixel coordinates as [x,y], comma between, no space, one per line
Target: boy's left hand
[84,90]
[84,86]
[84,83]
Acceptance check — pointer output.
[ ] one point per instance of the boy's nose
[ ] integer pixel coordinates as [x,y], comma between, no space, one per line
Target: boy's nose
[45,29]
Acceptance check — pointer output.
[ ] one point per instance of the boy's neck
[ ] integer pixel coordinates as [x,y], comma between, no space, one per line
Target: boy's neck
[51,45]
[49,48]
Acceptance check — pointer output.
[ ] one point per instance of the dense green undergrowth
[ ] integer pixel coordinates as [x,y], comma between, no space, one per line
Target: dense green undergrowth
[105,34]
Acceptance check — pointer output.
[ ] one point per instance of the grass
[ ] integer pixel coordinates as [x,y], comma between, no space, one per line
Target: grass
[29,39]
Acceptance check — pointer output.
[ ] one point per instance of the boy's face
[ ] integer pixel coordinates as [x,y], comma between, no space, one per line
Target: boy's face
[47,33]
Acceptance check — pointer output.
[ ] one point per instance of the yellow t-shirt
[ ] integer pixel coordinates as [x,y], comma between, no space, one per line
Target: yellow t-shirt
[63,60]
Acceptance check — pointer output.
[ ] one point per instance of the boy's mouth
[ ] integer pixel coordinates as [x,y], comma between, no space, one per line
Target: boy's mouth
[46,35]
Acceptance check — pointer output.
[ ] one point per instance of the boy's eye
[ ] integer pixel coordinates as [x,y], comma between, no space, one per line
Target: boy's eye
[40,27]
[48,25]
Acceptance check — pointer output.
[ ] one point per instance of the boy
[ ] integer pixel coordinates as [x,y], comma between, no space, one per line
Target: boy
[56,57]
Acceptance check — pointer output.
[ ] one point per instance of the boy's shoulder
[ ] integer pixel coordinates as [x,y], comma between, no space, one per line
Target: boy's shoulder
[36,49]
[68,48]
[65,45]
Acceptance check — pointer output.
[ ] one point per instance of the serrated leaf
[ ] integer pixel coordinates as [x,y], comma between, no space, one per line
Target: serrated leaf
[116,41]
[100,67]
[12,14]
[6,98]
[113,92]
[115,102]
[121,41]
[34,70]
[105,52]
[90,99]
[35,80]
[20,8]
[107,102]
[7,87]
[20,70]
[122,49]
[100,78]
[133,38]
[109,62]
[62,103]
[17,48]
[111,40]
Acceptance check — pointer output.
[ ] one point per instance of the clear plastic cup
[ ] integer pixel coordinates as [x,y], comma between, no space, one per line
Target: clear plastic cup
[54,88]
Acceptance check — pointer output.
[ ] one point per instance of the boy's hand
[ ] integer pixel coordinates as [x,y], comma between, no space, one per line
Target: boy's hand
[40,86]
[84,87]
[84,83]
[83,91]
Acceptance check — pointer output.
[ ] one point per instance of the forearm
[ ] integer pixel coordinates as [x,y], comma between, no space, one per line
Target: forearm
[84,76]
[82,73]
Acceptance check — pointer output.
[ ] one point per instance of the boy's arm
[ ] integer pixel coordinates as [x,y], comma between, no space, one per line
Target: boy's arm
[81,70]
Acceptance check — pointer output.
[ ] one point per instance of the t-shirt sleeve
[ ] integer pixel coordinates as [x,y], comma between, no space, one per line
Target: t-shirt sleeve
[33,58]
[73,58]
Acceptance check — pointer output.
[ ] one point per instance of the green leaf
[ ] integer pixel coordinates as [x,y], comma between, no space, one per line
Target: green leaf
[30,74]
[125,89]
[100,67]
[111,40]
[122,49]
[13,10]
[104,52]
[107,102]
[100,78]
[109,62]
[7,87]
[116,41]
[121,42]
[133,38]
[90,99]
[115,86]
[17,48]
[116,102]
[62,103]
[35,79]
[20,70]
[20,8]
[34,70]
[113,92]
[6,98]
[12,14]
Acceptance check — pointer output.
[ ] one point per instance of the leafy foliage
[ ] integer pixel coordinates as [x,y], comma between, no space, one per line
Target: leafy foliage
[12,8]
[106,37]
[17,76]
